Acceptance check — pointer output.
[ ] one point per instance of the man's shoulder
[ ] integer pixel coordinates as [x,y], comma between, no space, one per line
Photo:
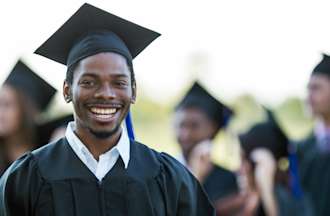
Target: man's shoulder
[18,174]
[166,162]
[181,190]
[49,149]
[161,156]
[30,161]
[23,163]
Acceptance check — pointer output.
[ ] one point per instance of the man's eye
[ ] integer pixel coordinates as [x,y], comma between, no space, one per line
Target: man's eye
[122,83]
[87,83]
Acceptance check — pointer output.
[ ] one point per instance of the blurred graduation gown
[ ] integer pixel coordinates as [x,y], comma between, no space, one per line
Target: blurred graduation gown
[53,181]
[314,169]
[219,183]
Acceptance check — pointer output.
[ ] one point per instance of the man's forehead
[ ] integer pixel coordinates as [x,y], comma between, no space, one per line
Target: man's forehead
[105,58]
[107,61]
[95,74]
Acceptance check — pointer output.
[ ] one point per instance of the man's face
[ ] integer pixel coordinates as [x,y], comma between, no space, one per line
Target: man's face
[319,95]
[192,126]
[101,93]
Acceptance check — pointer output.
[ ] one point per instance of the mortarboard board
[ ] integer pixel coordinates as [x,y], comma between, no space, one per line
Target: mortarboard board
[198,97]
[266,135]
[323,67]
[92,30]
[25,80]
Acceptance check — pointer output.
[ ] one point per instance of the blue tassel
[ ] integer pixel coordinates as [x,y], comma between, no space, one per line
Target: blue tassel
[294,175]
[129,126]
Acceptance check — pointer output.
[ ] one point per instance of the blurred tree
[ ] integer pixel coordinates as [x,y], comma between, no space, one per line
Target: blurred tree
[293,118]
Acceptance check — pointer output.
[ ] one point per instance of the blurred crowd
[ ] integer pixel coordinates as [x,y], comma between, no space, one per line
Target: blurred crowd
[277,176]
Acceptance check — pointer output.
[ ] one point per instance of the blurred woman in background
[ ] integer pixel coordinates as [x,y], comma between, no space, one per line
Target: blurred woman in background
[22,98]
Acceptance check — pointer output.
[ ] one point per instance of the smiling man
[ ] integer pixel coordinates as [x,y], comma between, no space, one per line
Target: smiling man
[96,169]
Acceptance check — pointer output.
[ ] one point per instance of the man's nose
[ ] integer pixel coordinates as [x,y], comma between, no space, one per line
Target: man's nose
[106,91]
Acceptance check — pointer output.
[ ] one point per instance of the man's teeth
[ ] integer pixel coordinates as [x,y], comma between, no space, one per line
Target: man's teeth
[103,111]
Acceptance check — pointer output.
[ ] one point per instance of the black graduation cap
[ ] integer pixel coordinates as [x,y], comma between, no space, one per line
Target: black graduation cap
[323,67]
[92,30]
[266,135]
[29,83]
[46,129]
[198,97]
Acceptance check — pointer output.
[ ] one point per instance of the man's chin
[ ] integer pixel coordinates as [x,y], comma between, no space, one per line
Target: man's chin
[104,134]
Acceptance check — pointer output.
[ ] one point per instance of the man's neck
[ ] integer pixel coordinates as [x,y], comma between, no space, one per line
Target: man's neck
[98,146]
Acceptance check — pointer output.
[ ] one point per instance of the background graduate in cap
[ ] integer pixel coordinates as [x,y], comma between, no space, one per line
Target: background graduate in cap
[268,175]
[23,96]
[53,129]
[314,152]
[96,169]
[197,120]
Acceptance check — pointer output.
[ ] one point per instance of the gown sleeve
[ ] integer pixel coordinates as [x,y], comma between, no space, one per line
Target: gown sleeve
[183,193]
[19,187]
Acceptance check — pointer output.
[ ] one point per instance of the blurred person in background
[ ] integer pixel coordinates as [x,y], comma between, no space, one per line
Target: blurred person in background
[314,152]
[267,181]
[197,120]
[53,129]
[22,97]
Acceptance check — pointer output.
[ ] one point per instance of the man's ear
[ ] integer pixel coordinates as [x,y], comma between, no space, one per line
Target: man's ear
[67,92]
[133,93]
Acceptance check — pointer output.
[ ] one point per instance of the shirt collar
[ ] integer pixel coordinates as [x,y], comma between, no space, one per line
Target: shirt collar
[123,145]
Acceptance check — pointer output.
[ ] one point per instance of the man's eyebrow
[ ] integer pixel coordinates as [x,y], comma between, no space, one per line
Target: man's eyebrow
[120,75]
[88,74]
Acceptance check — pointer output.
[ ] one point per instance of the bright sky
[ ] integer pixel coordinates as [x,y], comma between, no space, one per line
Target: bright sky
[266,48]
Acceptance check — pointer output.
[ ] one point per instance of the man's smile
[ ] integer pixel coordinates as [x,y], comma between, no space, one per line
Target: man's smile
[104,112]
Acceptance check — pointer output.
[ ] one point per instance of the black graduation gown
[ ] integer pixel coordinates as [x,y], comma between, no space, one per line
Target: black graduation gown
[314,171]
[52,181]
[289,205]
[220,183]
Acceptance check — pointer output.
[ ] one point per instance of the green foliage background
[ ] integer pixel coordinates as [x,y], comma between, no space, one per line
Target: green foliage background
[153,125]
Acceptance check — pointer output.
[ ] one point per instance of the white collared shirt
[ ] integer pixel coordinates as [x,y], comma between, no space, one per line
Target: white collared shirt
[106,160]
